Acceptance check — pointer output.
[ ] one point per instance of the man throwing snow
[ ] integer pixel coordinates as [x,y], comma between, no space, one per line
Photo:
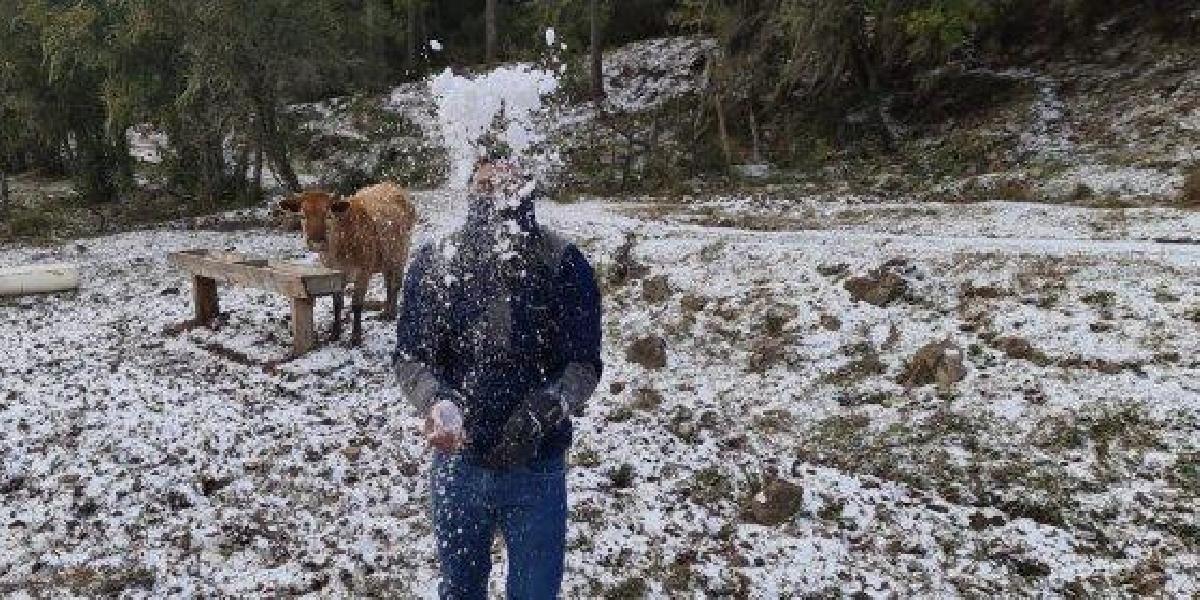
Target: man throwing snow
[498,345]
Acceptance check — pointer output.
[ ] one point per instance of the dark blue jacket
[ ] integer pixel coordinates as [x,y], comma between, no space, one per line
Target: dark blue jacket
[490,332]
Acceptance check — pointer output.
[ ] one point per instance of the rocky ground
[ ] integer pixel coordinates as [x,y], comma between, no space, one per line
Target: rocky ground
[939,406]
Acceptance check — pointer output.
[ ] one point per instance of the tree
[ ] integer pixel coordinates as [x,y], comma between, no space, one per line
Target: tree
[410,35]
[17,58]
[239,64]
[79,63]
[490,25]
[597,51]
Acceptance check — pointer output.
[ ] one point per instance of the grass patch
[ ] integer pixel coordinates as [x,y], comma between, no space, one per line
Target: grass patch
[37,224]
[1190,196]
[1193,314]
[621,477]
[951,454]
[708,486]
[629,589]
[865,363]
[1185,475]
[1100,299]
[1015,190]
[1120,427]
[1106,429]
[44,217]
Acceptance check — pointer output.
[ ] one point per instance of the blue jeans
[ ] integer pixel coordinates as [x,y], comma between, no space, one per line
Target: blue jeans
[528,506]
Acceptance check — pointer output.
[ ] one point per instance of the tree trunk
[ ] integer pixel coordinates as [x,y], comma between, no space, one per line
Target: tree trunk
[98,170]
[721,129]
[276,147]
[3,193]
[212,171]
[757,156]
[411,36]
[870,80]
[490,21]
[258,171]
[283,166]
[597,52]
[242,166]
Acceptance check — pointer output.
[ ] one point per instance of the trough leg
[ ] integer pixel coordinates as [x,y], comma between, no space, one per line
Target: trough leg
[339,302]
[204,296]
[304,337]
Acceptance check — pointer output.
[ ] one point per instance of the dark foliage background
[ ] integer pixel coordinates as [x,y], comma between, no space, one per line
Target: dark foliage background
[76,74]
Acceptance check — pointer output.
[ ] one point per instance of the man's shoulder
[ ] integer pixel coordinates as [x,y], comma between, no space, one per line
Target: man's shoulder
[560,253]
[553,248]
[563,256]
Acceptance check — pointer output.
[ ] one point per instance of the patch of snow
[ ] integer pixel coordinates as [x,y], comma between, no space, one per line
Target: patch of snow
[146,144]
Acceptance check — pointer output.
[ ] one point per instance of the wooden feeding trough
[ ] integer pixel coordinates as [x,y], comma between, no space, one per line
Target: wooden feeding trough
[303,284]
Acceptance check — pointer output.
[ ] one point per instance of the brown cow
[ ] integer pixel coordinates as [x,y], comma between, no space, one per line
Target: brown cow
[368,233]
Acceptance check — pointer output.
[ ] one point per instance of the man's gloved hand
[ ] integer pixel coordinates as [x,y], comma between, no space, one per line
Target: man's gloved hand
[444,423]
[525,429]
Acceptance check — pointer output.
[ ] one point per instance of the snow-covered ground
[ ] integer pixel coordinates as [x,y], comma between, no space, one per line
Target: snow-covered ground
[1019,221]
[773,456]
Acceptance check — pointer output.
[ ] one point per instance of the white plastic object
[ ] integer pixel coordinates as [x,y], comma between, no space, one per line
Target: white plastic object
[38,279]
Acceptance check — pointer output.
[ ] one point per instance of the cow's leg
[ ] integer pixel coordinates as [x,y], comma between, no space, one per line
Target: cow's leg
[391,280]
[361,281]
[339,301]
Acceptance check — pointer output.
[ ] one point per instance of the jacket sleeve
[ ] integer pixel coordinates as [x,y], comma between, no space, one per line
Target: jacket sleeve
[580,330]
[420,335]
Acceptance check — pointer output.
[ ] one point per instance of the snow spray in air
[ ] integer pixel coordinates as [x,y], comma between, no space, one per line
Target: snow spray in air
[467,107]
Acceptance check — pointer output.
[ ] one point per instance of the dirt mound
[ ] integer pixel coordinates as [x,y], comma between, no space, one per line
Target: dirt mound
[936,362]
[657,289]
[1019,348]
[774,504]
[624,267]
[880,287]
[649,352]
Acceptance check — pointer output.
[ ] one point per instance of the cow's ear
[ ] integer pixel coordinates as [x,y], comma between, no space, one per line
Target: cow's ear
[339,206]
[290,204]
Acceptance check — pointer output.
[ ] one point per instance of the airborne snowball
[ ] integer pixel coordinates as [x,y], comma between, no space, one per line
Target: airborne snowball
[550,36]
[466,107]
[435,45]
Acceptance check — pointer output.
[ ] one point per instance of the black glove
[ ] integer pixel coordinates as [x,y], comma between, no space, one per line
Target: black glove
[525,429]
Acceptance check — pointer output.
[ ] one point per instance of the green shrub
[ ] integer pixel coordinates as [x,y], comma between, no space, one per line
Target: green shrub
[34,223]
[1015,190]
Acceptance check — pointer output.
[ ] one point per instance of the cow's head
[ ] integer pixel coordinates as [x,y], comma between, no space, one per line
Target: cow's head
[319,212]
